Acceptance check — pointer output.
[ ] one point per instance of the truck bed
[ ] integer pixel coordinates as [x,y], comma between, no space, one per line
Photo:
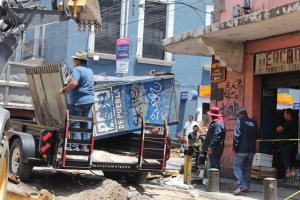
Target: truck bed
[104,156]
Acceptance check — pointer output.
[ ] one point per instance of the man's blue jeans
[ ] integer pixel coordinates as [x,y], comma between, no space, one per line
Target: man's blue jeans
[242,168]
[82,111]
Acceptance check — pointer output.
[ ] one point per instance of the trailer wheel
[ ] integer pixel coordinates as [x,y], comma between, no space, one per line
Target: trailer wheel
[21,169]
[135,178]
[4,160]
[113,175]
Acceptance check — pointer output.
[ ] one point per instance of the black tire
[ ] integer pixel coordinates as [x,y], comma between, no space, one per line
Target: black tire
[16,166]
[135,178]
[4,164]
[113,175]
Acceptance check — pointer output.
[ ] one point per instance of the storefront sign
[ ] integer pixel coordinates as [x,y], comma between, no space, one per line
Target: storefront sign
[283,60]
[217,73]
[192,95]
[296,106]
[283,98]
[184,96]
[122,55]
[204,90]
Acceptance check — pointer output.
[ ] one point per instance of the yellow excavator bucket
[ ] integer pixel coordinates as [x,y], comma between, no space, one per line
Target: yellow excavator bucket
[85,13]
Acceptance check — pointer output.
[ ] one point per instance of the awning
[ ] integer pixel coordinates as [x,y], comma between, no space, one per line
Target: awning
[225,39]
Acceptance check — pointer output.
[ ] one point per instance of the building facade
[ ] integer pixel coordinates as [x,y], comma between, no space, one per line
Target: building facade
[146,23]
[259,46]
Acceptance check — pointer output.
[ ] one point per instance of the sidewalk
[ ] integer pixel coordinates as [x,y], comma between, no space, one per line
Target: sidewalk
[227,186]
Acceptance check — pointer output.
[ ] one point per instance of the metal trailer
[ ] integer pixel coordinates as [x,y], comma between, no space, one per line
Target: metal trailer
[130,151]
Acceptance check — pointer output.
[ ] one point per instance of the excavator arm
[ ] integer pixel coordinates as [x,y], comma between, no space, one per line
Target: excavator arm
[16,16]
[33,195]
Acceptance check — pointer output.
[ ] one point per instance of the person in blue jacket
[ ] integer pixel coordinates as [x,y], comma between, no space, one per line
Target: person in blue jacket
[215,137]
[246,133]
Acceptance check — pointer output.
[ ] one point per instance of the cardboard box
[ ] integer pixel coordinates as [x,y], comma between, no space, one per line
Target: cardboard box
[263,160]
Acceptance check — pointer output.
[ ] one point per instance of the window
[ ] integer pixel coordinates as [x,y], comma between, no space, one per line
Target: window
[105,41]
[155,23]
[154,30]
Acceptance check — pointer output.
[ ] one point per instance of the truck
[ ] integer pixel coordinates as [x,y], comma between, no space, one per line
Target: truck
[122,143]
[15,17]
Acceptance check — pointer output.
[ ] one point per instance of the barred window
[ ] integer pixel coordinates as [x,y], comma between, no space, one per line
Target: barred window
[105,42]
[154,30]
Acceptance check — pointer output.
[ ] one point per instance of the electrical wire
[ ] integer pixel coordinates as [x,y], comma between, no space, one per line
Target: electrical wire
[51,41]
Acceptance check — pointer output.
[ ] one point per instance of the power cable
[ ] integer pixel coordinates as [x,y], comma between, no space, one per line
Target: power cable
[52,41]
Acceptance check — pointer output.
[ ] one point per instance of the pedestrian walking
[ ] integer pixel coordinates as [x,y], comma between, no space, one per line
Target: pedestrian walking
[246,133]
[215,137]
[81,93]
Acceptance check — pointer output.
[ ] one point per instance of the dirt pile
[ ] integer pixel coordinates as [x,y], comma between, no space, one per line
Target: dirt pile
[107,189]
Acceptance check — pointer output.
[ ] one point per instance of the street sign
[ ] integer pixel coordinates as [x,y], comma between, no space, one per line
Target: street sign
[217,73]
[184,96]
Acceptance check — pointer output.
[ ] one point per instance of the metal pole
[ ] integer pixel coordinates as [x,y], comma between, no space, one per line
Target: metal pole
[187,176]
[270,189]
[213,180]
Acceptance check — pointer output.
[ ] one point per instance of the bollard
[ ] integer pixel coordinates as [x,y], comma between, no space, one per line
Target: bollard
[213,180]
[270,189]
[187,175]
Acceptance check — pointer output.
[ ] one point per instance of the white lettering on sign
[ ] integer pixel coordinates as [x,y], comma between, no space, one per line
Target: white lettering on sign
[278,61]
[119,111]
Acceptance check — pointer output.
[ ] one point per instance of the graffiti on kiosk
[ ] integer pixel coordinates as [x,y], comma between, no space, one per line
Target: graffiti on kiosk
[160,101]
[153,101]
[234,90]
[229,110]
[109,110]
[139,102]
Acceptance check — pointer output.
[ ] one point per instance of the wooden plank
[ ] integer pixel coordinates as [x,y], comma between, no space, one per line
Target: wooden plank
[52,83]
[99,156]
[256,176]
[42,100]
[61,100]
[151,161]
[103,156]
[263,172]
[35,99]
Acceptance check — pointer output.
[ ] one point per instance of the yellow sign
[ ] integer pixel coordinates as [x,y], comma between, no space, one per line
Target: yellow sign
[283,98]
[204,90]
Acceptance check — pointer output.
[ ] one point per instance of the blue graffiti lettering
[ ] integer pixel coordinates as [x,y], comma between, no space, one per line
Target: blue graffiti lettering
[229,111]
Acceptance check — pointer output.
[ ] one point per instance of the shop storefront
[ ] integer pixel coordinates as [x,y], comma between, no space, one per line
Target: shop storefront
[260,55]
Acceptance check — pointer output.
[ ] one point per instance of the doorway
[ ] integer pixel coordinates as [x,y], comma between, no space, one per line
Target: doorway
[274,103]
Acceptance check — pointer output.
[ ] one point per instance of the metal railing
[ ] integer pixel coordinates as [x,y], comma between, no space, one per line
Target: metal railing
[153,50]
[105,44]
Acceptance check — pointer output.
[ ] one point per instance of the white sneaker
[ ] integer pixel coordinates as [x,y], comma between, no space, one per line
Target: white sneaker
[68,148]
[85,149]
[76,148]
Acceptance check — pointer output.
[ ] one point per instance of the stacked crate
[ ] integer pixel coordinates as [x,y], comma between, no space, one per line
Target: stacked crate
[262,166]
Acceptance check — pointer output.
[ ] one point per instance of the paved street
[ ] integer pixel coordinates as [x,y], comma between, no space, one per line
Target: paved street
[227,186]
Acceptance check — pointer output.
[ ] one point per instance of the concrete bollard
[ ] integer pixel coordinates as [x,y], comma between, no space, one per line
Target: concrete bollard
[213,180]
[270,189]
